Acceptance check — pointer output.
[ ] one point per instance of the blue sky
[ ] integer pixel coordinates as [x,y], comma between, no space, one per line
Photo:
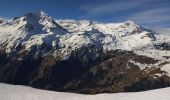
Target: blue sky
[152,13]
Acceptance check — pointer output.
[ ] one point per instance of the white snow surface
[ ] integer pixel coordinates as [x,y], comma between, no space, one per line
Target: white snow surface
[16,92]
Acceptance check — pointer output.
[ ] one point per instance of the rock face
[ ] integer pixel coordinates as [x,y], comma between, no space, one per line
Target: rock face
[82,56]
[119,74]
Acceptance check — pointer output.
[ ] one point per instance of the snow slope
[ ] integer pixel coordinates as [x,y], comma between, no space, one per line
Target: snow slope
[13,92]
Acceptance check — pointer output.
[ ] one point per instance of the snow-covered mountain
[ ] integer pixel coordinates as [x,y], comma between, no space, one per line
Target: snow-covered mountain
[64,55]
[38,28]
[29,30]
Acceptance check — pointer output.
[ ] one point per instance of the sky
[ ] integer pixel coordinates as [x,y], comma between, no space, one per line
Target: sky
[152,13]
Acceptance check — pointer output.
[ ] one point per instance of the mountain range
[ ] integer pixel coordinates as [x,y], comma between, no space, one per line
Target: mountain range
[82,56]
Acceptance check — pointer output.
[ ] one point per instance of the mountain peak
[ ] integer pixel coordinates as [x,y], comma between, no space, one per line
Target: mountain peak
[40,13]
[129,22]
[37,14]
